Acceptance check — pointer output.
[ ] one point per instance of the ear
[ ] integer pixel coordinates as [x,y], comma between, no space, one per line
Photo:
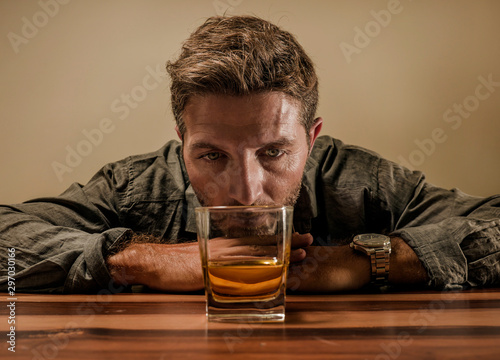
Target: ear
[314,131]
[178,132]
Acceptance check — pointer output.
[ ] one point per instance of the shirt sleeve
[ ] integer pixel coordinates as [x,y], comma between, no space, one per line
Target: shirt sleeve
[455,235]
[60,243]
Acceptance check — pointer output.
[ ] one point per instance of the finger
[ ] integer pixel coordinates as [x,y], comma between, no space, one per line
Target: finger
[249,251]
[262,240]
[301,240]
[297,255]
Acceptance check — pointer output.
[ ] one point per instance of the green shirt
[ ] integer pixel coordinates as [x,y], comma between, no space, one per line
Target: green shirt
[61,242]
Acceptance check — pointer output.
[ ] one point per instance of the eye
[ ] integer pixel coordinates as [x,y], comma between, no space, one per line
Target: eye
[212,156]
[273,152]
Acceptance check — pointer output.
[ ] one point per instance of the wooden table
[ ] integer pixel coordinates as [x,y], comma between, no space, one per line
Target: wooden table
[411,325]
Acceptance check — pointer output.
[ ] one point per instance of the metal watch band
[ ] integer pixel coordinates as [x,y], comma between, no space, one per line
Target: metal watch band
[380,266]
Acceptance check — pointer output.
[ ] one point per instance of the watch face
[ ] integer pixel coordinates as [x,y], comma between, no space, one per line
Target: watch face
[372,240]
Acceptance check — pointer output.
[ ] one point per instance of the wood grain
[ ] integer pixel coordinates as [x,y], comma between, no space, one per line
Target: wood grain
[410,325]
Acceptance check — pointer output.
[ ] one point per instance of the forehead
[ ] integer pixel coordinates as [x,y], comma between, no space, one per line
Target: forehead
[259,116]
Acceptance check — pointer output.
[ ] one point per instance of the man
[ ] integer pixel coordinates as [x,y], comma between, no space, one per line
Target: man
[244,96]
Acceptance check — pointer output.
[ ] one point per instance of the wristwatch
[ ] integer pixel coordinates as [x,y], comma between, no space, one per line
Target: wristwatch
[378,247]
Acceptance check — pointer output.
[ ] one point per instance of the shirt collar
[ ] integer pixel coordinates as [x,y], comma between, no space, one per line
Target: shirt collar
[306,207]
[192,203]
[191,199]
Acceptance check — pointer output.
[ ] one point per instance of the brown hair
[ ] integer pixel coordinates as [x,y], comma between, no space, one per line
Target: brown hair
[241,55]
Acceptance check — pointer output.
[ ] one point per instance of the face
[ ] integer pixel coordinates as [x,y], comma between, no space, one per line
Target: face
[246,150]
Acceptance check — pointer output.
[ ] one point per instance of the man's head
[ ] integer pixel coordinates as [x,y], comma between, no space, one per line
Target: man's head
[244,96]
[242,55]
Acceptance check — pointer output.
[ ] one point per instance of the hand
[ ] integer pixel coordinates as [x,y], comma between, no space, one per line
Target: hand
[329,269]
[258,246]
[176,267]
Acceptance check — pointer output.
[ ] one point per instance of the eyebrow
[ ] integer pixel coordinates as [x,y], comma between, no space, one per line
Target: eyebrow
[277,143]
[202,145]
[280,142]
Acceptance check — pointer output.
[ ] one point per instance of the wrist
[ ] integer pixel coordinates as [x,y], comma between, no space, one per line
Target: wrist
[353,271]
[406,267]
[377,249]
[125,267]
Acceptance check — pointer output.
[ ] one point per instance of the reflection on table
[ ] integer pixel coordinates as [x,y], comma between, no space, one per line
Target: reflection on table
[409,325]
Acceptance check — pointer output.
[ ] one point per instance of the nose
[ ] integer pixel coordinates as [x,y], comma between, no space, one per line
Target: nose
[246,184]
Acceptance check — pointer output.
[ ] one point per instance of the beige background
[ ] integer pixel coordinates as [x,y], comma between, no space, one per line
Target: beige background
[66,68]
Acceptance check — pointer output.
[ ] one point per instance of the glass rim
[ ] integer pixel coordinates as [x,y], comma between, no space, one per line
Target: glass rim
[242,207]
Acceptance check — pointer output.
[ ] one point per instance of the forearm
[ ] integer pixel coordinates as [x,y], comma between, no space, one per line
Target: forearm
[147,260]
[329,269]
[405,268]
[159,266]
[340,268]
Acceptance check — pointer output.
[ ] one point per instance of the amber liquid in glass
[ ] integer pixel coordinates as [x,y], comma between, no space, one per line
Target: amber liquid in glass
[245,280]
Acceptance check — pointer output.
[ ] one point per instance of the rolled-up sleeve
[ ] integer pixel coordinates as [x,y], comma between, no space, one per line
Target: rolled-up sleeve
[457,252]
[456,236]
[61,243]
